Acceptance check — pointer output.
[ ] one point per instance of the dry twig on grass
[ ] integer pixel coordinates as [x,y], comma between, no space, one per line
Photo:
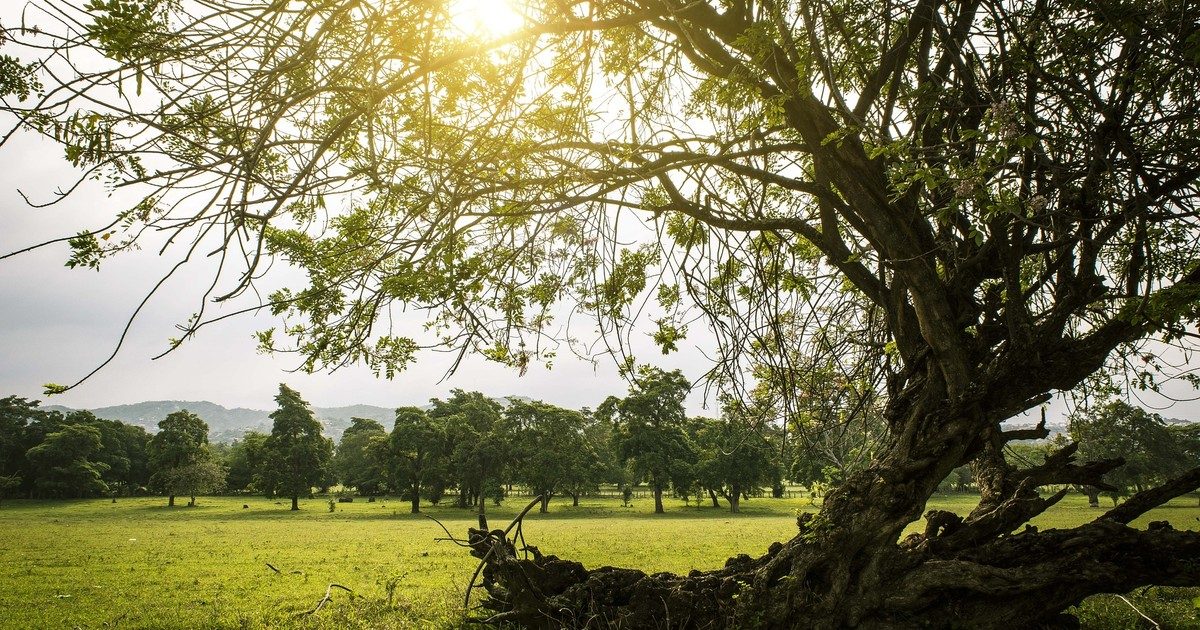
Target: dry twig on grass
[326,599]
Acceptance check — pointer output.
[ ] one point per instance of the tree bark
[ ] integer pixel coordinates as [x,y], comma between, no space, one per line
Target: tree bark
[575,500]
[295,503]
[416,498]
[545,504]
[658,504]
[735,499]
[713,495]
[170,500]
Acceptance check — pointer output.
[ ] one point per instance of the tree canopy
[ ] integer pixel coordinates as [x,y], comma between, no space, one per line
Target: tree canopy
[973,204]
[351,464]
[177,452]
[651,429]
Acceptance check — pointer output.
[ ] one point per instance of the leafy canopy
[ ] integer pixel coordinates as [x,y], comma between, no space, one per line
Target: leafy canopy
[974,188]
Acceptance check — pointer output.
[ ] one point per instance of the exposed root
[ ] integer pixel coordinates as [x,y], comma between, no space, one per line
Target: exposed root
[480,536]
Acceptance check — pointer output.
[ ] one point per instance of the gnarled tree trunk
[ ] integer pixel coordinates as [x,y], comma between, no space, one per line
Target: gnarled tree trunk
[840,571]
[847,566]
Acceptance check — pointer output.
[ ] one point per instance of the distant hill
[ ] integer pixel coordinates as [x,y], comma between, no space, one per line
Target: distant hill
[227,425]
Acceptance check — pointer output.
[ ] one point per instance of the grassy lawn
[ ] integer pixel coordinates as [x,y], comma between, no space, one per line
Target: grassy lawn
[138,564]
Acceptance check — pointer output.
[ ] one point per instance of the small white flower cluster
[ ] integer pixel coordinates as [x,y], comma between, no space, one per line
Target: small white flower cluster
[1004,115]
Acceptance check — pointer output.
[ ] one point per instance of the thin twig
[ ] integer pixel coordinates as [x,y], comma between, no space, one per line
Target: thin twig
[326,599]
[272,567]
[450,537]
[1136,610]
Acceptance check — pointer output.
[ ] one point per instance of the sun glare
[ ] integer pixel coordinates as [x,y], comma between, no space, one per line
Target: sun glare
[485,19]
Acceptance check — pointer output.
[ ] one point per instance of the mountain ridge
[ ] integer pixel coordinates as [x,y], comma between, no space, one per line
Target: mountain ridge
[227,424]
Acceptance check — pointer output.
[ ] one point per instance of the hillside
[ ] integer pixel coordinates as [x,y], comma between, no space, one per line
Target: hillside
[225,424]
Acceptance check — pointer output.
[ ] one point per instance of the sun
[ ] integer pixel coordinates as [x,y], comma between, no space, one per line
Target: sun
[485,19]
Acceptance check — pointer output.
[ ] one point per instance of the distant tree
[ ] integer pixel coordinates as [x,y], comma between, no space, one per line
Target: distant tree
[598,461]
[733,459]
[959,480]
[650,423]
[181,441]
[477,444]
[200,476]
[413,456]
[124,448]
[1116,429]
[63,463]
[549,450]
[16,416]
[1187,437]
[244,462]
[352,465]
[297,455]
[8,483]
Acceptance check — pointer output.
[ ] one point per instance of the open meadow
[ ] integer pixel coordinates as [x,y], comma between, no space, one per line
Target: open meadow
[137,564]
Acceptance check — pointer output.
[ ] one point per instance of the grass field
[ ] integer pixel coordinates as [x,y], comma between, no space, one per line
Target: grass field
[137,564]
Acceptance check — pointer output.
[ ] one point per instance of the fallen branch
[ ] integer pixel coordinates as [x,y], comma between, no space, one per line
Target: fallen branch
[272,567]
[326,599]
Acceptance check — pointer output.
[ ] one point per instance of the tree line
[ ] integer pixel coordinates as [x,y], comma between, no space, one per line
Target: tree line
[471,449]
[51,454]
[468,448]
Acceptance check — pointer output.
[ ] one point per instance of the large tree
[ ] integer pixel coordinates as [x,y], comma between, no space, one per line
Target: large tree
[295,456]
[64,463]
[477,445]
[549,451]
[651,429]
[997,195]
[181,443]
[352,463]
[414,455]
[733,459]
[245,462]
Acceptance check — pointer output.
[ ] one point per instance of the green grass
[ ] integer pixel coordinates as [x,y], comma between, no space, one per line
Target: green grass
[138,564]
